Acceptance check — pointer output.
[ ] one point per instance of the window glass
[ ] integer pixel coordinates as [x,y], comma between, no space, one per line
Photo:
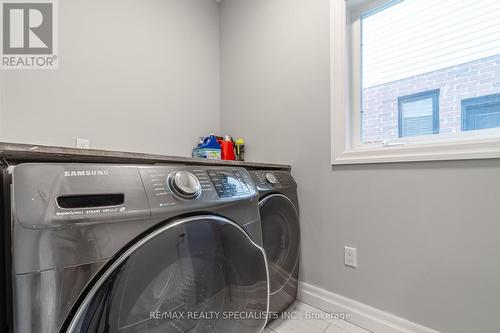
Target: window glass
[481,113]
[419,114]
[413,46]
[417,117]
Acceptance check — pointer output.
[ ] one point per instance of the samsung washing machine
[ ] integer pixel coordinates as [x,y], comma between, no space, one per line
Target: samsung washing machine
[123,248]
[279,213]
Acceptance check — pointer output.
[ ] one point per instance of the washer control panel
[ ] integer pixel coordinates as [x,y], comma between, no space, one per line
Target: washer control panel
[172,187]
[228,183]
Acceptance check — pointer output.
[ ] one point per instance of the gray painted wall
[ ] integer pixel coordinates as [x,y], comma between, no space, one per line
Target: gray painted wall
[133,75]
[418,227]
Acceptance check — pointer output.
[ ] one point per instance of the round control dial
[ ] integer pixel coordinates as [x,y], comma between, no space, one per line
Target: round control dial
[271,178]
[185,184]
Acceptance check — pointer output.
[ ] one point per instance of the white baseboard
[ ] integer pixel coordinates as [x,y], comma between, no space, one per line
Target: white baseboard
[362,315]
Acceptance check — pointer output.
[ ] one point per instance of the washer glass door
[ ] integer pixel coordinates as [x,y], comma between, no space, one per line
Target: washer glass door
[199,274]
[281,238]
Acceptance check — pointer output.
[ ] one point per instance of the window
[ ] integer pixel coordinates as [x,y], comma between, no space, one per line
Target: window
[481,113]
[414,80]
[419,114]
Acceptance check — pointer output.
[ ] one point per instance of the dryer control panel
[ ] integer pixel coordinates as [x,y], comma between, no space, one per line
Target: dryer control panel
[267,180]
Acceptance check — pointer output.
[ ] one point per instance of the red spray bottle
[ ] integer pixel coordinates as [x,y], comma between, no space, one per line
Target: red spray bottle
[228,149]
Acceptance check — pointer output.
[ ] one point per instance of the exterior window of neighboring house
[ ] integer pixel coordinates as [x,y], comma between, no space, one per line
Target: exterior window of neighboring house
[418,74]
[419,114]
[481,112]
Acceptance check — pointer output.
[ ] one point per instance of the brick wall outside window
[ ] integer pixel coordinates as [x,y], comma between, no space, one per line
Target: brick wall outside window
[473,79]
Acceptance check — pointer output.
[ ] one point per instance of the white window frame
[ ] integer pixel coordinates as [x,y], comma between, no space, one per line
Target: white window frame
[345,76]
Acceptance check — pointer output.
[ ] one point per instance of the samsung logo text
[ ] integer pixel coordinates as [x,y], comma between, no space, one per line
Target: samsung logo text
[85,173]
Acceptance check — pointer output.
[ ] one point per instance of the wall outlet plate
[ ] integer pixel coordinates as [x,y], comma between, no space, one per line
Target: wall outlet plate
[82,143]
[350,257]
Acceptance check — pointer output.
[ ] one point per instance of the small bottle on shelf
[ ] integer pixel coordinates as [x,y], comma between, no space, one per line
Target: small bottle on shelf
[239,148]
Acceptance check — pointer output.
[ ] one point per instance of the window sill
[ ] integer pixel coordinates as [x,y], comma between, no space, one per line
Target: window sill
[443,151]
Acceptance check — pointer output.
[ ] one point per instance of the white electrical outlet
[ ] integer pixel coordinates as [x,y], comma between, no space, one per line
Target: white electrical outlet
[82,143]
[350,257]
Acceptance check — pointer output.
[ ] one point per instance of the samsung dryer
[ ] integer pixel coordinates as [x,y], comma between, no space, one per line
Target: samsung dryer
[279,213]
[123,248]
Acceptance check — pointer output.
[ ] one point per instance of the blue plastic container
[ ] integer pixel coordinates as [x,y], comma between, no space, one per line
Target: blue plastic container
[209,149]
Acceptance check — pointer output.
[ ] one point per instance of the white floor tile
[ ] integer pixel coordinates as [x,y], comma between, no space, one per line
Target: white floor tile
[306,307]
[301,324]
[311,320]
[347,326]
[334,329]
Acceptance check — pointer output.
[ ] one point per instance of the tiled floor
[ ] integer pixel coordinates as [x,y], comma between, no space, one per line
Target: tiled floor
[311,320]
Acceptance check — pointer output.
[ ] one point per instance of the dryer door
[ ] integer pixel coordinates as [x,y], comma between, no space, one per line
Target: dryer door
[199,274]
[281,238]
